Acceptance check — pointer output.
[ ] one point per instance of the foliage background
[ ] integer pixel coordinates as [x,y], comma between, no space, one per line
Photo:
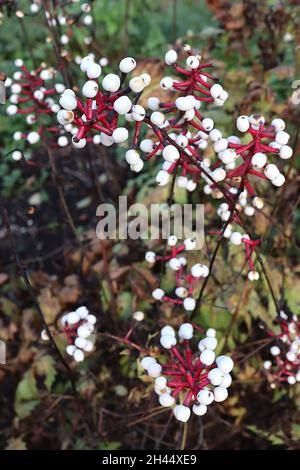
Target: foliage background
[256,48]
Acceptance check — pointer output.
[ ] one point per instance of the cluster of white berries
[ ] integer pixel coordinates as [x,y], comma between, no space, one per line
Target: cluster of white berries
[193,62]
[231,152]
[78,327]
[239,162]
[106,106]
[103,61]
[242,204]
[83,18]
[287,357]
[281,139]
[170,155]
[185,282]
[194,380]
[85,325]
[227,155]
[182,120]
[29,88]
[235,237]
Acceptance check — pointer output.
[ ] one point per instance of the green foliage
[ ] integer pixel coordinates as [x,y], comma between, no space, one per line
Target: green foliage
[27,395]
[276,439]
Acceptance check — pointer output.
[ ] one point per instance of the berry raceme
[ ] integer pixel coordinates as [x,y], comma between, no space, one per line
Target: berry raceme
[284,368]
[78,326]
[32,98]
[239,167]
[264,141]
[184,281]
[181,134]
[230,151]
[189,381]
[98,119]
[58,16]
[181,119]
[237,238]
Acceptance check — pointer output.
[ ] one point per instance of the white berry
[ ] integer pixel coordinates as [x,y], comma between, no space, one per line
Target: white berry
[182,413]
[186,331]
[220,394]
[127,65]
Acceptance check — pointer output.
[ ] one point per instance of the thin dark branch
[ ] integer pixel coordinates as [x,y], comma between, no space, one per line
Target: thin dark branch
[6,223]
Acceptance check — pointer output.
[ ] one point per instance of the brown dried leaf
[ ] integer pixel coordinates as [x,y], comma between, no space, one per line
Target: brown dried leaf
[119,272]
[29,325]
[8,332]
[71,280]
[50,304]
[98,267]
[25,355]
[16,443]
[40,278]
[69,295]
[147,275]
[261,223]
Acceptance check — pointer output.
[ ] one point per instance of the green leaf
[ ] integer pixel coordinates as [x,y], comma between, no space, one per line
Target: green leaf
[275,439]
[24,409]
[26,395]
[113,445]
[125,304]
[27,388]
[296,432]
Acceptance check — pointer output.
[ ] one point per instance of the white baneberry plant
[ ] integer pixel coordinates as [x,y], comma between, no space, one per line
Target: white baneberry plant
[182,137]
[178,135]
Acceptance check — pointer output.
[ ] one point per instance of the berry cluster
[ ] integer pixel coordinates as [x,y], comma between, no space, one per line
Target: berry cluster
[236,164]
[102,109]
[184,281]
[285,367]
[31,96]
[241,161]
[243,204]
[78,327]
[180,129]
[194,380]
[103,61]
[236,238]
[66,20]
[181,132]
